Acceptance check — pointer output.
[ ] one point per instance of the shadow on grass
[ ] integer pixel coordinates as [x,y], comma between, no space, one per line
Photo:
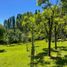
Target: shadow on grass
[61,62]
[40,57]
[63,48]
[3,50]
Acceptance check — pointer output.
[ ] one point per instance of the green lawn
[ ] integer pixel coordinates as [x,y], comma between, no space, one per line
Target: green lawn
[17,55]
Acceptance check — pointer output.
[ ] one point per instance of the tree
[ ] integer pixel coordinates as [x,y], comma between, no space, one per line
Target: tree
[39,34]
[2,31]
[19,18]
[64,5]
[6,36]
[49,16]
[13,23]
[5,24]
[57,21]
[14,36]
[32,28]
[65,26]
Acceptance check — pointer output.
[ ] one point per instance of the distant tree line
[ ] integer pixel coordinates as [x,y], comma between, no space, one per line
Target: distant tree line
[18,29]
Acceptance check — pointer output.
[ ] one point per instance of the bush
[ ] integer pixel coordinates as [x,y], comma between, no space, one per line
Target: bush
[12,37]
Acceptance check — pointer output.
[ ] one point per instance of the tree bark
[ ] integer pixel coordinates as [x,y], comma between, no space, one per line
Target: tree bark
[49,38]
[55,38]
[32,49]
[49,43]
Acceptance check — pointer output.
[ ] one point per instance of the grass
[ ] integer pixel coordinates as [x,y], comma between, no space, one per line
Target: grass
[17,55]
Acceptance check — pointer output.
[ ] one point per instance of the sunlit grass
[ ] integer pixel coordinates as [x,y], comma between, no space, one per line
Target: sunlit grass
[17,55]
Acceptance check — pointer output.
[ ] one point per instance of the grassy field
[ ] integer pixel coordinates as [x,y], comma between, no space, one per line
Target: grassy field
[18,56]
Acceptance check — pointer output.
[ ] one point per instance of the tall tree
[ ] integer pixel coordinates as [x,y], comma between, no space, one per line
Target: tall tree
[49,16]
[64,5]
[2,31]
[32,27]
[13,22]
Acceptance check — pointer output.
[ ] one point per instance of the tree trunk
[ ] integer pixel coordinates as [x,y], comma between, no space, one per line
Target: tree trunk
[32,49]
[55,38]
[49,43]
[27,42]
[49,38]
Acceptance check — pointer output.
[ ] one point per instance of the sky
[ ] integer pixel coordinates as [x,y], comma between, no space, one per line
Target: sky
[10,8]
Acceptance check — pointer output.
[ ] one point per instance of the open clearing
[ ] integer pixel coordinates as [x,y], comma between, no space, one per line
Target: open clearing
[18,56]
